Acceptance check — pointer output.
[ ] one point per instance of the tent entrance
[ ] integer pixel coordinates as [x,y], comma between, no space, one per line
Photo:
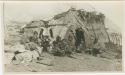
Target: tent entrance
[80,38]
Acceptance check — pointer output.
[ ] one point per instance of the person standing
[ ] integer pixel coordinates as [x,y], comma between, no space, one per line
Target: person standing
[34,38]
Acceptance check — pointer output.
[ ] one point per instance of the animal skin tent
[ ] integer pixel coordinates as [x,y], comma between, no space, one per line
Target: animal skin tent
[91,23]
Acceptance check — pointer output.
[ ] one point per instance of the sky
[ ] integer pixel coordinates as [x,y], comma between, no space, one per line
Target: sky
[28,11]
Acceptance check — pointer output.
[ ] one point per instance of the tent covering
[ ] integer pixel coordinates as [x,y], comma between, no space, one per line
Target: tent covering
[92,23]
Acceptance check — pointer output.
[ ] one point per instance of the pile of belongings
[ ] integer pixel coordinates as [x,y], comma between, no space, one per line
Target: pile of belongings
[26,53]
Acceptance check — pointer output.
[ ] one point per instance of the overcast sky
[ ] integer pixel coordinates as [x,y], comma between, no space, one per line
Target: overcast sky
[27,11]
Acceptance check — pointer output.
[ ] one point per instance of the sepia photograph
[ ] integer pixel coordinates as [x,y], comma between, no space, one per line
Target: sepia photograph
[58,36]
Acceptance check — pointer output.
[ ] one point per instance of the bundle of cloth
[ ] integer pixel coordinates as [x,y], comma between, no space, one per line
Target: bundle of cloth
[26,53]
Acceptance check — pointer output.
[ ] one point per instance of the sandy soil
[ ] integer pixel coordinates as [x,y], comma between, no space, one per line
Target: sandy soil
[77,63]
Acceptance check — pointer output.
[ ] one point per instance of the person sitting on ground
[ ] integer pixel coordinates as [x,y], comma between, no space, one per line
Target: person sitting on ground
[57,47]
[46,43]
[96,49]
[68,48]
[88,51]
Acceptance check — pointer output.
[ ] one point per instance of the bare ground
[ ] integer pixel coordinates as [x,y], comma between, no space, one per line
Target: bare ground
[77,63]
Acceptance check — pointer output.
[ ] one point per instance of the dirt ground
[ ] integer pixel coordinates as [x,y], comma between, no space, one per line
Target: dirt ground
[77,63]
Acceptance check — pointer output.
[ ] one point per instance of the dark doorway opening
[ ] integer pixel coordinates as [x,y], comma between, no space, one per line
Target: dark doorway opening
[80,38]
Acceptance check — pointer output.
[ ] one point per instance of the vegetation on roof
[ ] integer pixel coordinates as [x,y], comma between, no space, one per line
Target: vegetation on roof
[92,17]
[60,15]
[89,17]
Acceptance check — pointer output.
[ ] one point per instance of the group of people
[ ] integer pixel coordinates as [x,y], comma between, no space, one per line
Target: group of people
[35,46]
[61,47]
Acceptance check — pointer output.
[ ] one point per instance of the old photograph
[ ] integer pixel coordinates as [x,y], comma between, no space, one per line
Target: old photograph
[82,36]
